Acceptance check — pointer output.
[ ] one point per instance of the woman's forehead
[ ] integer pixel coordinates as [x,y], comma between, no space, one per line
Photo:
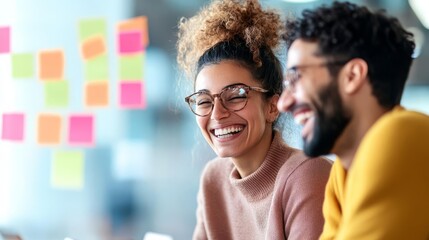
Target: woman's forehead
[215,77]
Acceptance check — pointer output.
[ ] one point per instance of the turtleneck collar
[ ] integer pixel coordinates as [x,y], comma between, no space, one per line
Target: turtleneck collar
[261,182]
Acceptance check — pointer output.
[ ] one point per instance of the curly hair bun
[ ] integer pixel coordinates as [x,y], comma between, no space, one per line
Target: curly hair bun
[226,20]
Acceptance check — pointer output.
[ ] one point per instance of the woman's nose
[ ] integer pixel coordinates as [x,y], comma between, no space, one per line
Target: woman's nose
[219,111]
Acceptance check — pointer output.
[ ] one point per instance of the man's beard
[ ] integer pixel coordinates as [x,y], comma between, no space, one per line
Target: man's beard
[330,120]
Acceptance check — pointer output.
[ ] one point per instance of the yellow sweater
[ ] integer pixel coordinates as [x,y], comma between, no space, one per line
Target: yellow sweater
[385,193]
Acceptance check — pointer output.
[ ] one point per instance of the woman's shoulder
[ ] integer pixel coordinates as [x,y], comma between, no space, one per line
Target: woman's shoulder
[302,177]
[217,168]
[299,165]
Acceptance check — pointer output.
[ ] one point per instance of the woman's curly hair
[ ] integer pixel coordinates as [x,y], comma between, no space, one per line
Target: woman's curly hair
[227,21]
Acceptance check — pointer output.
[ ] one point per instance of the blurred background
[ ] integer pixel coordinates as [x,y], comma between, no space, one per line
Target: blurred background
[142,172]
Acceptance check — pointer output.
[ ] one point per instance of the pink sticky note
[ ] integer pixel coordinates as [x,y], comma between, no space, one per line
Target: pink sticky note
[4,39]
[132,95]
[130,42]
[81,130]
[139,24]
[13,127]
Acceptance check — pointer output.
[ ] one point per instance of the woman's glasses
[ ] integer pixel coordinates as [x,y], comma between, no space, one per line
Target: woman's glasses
[233,98]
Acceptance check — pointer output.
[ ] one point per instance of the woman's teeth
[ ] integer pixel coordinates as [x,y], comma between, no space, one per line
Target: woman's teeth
[226,132]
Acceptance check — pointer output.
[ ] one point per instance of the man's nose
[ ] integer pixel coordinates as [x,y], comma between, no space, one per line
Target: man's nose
[286,101]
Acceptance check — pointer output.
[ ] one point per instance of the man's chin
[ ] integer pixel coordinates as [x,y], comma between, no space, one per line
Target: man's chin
[314,149]
[308,148]
[310,152]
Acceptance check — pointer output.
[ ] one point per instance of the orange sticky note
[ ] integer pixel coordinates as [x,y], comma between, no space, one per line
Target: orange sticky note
[49,129]
[97,94]
[93,47]
[51,65]
[136,24]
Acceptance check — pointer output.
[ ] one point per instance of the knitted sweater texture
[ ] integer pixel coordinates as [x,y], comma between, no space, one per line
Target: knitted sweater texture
[282,199]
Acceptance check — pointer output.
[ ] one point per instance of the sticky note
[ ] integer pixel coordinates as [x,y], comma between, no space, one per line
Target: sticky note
[92,27]
[97,69]
[129,42]
[49,129]
[67,170]
[136,24]
[131,67]
[22,65]
[131,95]
[93,47]
[81,130]
[13,126]
[51,65]
[97,94]
[56,94]
[4,39]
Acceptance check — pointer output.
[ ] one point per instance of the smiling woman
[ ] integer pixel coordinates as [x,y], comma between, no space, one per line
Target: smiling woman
[258,187]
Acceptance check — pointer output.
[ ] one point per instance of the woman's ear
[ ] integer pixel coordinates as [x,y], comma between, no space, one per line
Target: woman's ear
[356,74]
[272,111]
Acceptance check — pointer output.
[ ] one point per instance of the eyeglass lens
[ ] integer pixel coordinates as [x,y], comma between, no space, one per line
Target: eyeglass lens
[290,79]
[232,98]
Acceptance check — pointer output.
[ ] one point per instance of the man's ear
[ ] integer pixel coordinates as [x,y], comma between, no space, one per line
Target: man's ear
[356,74]
[273,111]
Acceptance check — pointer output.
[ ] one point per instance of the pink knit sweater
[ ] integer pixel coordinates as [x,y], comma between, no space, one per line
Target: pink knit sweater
[282,199]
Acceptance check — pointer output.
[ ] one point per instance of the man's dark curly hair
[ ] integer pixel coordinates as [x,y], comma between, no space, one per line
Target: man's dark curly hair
[345,31]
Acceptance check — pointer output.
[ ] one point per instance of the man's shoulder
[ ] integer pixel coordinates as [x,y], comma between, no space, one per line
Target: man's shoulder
[401,117]
[397,141]
[400,122]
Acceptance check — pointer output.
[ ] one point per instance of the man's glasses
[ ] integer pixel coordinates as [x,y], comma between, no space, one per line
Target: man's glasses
[292,74]
[233,98]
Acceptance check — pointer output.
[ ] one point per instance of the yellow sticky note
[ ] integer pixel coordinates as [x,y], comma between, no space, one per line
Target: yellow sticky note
[131,67]
[92,27]
[136,24]
[93,47]
[97,69]
[97,94]
[67,170]
[49,129]
[56,94]
[22,65]
[51,65]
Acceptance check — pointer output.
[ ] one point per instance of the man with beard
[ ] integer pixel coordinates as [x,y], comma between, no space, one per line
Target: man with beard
[346,72]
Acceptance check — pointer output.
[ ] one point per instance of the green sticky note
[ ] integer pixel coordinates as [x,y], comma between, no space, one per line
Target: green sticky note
[92,27]
[22,65]
[97,69]
[67,170]
[131,67]
[56,94]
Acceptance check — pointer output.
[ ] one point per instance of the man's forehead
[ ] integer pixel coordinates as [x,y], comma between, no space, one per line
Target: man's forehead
[300,52]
